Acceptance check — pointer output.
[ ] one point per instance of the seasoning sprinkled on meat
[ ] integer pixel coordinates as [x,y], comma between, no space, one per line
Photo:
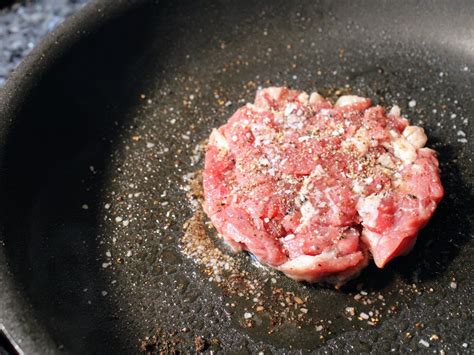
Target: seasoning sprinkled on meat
[313,188]
[226,270]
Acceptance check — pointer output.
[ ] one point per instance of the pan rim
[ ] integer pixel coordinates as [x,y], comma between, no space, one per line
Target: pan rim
[16,312]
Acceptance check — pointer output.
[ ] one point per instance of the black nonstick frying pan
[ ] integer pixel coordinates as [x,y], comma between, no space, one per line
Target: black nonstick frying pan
[99,125]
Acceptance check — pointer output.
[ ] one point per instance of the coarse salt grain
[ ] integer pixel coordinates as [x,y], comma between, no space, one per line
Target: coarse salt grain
[289,109]
[412,103]
[453,285]
[118,219]
[85,207]
[247,315]
[424,343]
[364,315]
[350,310]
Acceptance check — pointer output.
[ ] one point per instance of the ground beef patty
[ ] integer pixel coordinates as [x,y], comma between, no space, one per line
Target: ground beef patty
[312,189]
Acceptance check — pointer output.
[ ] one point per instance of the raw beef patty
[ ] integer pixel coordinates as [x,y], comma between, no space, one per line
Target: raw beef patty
[313,189]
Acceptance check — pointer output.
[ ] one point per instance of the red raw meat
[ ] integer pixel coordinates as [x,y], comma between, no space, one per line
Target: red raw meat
[313,189]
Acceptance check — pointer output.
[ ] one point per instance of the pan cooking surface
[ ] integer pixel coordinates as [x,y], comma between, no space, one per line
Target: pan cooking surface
[94,175]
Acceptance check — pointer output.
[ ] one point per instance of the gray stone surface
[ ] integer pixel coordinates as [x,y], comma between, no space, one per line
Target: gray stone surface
[23,24]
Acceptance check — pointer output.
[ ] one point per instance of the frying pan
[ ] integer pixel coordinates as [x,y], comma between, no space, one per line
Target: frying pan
[98,127]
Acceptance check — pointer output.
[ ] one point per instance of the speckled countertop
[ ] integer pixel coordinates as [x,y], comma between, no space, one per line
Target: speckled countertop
[24,24]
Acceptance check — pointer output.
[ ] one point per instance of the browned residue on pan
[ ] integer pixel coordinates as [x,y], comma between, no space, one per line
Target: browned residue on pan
[257,292]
